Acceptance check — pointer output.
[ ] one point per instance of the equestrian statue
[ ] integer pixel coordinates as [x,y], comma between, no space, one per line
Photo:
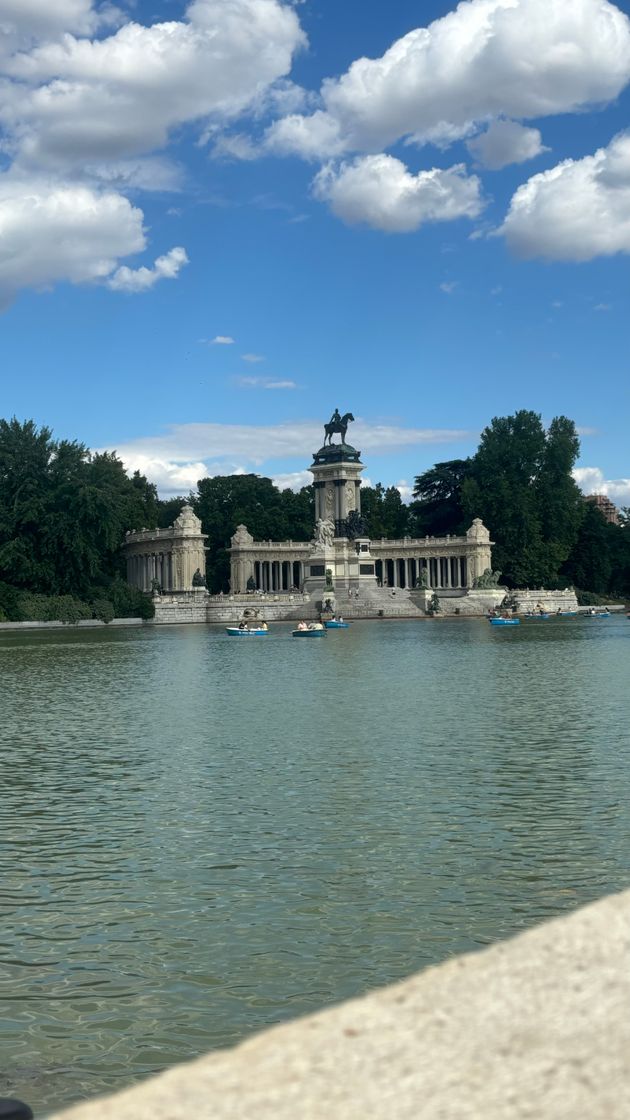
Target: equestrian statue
[339,424]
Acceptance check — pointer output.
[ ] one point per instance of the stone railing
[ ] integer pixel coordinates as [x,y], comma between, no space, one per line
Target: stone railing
[536,1027]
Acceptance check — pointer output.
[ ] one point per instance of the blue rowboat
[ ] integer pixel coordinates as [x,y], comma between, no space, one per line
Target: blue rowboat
[334,625]
[598,614]
[504,621]
[236,632]
[309,633]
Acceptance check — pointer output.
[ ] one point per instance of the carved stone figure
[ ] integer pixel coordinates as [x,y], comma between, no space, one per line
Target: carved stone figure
[350,496]
[488,580]
[329,579]
[324,533]
[337,423]
[198,580]
[422,580]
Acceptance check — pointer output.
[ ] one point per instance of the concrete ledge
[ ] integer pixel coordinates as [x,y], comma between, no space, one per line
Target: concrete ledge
[537,1027]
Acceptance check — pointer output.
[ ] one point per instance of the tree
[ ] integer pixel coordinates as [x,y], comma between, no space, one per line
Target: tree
[558,497]
[270,514]
[437,509]
[64,512]
[589,567]
[501,489]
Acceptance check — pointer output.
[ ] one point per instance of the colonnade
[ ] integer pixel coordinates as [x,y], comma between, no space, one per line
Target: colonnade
[143,568]
[278,575]
[441,572]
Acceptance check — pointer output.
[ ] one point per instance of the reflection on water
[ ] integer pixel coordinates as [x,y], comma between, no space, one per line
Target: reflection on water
[207,836]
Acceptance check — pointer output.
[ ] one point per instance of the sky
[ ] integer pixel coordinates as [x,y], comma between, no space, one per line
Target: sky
[221,220]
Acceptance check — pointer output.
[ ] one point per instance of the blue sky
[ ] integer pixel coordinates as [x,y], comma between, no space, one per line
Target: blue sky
[419,212]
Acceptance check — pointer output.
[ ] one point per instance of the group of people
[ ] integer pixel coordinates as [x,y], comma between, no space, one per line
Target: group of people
[310,626]
[244,625]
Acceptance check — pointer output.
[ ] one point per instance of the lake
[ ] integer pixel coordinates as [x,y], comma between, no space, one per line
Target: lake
[203,836]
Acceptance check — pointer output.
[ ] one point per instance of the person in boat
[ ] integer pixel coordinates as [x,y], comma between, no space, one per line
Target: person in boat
[263,626]
[339,618]
[242,625]
[302,626]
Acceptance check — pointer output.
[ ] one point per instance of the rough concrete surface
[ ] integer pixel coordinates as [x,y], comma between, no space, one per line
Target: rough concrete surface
[537,1027]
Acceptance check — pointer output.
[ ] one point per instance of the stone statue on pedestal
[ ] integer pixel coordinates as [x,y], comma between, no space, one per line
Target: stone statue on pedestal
[198,580]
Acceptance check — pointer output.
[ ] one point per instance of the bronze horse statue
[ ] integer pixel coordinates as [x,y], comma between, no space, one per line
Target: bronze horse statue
[340,425]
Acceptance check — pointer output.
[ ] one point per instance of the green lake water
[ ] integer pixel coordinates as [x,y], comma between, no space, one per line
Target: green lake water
[202,836]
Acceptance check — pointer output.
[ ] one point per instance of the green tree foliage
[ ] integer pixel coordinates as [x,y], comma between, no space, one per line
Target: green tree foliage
[384,511]
[248,499]
[520,484]
[64,513]
[600,560]
[437,509]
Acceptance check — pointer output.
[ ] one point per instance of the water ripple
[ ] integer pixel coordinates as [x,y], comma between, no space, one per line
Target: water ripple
[202,839]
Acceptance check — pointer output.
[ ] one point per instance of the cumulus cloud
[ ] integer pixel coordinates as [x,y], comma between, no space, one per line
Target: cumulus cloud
[170,477]
[23,21]
[381,192]
[252,358]
[140,279]
[576,211]
[293,480]
[506,142]
[119,96]
[52,232]
[592,480]
[222,340]
[486,59]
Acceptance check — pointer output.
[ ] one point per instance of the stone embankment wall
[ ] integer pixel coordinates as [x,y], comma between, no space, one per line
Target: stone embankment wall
[536,1027]
[551,601]
[84,624]
[226,609]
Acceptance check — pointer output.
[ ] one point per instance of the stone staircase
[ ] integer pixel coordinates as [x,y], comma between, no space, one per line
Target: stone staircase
[380,602]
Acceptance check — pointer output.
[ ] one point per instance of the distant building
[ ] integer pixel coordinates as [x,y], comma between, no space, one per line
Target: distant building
[607,508]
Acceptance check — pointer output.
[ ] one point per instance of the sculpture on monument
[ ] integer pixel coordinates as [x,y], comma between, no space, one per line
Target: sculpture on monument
[337,423]
[198,580]
[356,526]
[324,533]
[487,581]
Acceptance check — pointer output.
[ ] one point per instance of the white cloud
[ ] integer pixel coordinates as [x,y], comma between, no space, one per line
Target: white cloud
[506,142]
[222,340]
[169,476]
[23,21]
[602,307]
[140,279]
[380,191]
[449,286]
[293,480]
[576,211]
[252,357]
[406,490]
[486,59]
[257,444]
[111,98]
[53,232]
[592,480]
[264,383]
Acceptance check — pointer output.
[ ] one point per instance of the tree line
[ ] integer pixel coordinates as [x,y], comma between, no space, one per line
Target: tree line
[64,512]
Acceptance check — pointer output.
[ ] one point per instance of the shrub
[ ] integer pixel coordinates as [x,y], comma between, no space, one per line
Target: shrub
[103,609]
